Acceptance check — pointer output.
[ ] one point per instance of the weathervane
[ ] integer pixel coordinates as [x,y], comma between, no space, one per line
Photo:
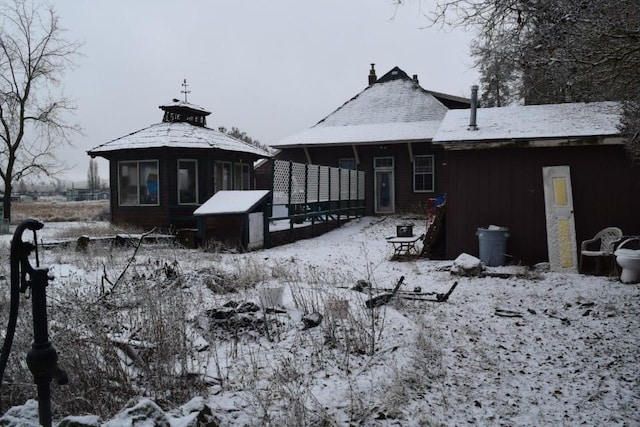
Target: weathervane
[185,91]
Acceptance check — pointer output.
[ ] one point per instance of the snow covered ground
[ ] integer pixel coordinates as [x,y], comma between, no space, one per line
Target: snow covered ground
[532,348]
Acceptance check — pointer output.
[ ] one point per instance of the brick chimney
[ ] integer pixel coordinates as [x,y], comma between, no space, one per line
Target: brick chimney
[415,79]
[372,75]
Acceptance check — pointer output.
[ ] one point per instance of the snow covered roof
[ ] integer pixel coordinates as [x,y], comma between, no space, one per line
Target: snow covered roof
[574,120]
[177,104]
[395,108]
[178,135]
[358,134]
[232,201]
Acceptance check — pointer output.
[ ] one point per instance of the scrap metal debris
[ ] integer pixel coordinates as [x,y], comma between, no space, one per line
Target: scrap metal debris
[384,298]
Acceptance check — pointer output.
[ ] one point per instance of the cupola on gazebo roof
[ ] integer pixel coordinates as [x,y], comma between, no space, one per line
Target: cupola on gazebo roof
[183,126]
[183,111]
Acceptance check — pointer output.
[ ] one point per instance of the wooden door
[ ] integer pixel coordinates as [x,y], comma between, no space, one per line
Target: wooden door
[561,230]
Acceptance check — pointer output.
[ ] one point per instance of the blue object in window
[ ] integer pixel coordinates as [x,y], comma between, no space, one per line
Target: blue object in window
[152,188]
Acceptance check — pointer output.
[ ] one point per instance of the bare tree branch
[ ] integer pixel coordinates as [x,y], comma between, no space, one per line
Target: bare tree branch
[33,58]
[550,51]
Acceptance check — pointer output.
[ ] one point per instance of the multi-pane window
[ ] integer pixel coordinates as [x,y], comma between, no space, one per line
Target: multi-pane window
[187,182]
[232,176]
[242,177]
[138,183]
[383,162]
[347,163]
[423,174]
[223,178]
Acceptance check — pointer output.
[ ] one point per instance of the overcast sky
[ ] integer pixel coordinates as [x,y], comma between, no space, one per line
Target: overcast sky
[270,68]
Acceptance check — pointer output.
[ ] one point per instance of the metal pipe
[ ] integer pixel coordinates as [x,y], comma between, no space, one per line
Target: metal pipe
[473,124]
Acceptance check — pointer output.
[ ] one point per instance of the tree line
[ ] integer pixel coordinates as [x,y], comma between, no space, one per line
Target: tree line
[554,51]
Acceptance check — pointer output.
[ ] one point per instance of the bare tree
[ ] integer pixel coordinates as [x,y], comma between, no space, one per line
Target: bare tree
[93,178]
[499,77]
[33,57]
[555,50]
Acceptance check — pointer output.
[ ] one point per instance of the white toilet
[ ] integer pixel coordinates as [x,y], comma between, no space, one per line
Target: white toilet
[629,260]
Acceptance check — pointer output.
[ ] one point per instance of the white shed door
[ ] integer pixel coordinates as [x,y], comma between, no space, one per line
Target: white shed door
[561,229]
[256,230]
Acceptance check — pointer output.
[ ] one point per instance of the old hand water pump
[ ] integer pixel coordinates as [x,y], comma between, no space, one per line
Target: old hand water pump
[42,359]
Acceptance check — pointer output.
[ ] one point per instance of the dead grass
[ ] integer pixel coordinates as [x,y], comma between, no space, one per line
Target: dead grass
[56,211]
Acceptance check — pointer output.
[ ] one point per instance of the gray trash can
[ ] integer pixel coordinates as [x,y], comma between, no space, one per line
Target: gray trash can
[493,245]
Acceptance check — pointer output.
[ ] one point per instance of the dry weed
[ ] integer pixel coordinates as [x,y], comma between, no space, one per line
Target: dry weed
[54,211]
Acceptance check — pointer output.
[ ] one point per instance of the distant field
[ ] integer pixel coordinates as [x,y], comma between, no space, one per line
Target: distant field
[55,211]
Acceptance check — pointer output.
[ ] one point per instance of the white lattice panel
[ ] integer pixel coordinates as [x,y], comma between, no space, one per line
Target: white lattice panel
[280,182]
[353,187]
[298,183]
[324,184]
[312,183]
[334,192]
[344,184]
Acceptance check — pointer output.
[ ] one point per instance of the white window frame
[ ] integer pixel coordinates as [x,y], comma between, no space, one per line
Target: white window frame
[137,163]
[194,161]
[432,173]
[384,164]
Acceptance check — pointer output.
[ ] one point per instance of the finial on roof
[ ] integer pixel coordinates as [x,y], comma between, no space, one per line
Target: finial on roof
[185,91]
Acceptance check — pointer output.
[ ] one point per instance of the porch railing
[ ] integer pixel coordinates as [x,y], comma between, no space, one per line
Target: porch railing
[313,193]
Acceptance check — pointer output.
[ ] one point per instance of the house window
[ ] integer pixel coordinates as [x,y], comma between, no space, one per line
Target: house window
[187,182]
[242,178]
[347,163]
[138,183]
[423,174]
[383,162]
[224,180]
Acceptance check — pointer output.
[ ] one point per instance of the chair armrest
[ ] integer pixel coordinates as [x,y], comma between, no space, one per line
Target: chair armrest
[585,243]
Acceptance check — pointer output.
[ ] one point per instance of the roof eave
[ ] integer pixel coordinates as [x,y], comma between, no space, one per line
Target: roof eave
[568,141]
[349,143]
[110,153]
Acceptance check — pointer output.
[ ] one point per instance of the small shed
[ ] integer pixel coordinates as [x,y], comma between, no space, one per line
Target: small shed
[498,170]
[234,218]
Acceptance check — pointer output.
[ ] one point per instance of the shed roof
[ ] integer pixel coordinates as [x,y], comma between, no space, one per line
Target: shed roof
[178,135]
[571,120]
[394,108]
[232,201]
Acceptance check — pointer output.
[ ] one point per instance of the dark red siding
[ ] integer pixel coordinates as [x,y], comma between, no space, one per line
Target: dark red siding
[227,229]
[504,187]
